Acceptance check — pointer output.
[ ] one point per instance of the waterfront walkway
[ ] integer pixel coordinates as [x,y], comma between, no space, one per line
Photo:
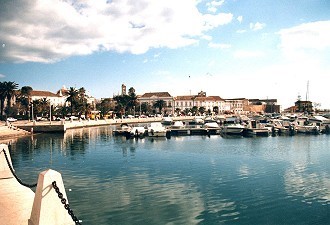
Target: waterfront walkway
[16,202]
[62,126]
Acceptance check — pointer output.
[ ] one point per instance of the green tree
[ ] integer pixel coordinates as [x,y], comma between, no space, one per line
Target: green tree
[73,99]
[122,103]
[194,110]
[177,111]
[7,91]
[160,104]
[105,106]
[186,111]
[41,107]
[132,102]
[23,100]
[201,110]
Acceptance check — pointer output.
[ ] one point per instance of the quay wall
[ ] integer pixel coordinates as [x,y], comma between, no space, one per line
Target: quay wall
[62,126]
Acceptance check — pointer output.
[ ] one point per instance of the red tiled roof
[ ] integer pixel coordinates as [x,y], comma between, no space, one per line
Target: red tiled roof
[158,94]
[43,94]
[184,98]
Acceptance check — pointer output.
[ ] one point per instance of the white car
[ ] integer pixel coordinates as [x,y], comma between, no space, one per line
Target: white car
[11,119]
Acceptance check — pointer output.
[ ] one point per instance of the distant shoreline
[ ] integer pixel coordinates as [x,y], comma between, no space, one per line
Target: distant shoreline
[23,128]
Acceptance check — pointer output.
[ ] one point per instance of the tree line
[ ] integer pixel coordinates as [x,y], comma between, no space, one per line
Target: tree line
[76,104]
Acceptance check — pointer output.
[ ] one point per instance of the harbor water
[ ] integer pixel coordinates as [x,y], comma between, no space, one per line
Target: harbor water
[184,180]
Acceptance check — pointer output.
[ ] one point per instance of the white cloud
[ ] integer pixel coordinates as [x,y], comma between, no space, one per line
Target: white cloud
[300,41]
[240,19]
[248,54]
[257,26]
[50,30]
[213,6]
[240,31]
[219,45]
[2,76]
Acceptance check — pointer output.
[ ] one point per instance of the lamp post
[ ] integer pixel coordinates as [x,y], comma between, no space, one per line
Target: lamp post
[32,112]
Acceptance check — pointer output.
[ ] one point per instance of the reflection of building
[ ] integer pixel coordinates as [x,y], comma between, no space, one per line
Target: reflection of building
[152,97]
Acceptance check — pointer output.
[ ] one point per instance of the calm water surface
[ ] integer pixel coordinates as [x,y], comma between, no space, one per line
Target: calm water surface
[185,180]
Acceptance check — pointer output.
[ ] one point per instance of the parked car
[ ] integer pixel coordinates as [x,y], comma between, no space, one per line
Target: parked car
[11,119]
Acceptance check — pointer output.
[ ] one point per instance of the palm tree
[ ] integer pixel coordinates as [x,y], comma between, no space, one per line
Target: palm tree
[10,89]
[160,104]
[72,98]
[24,98]
[7,91]
[201,110]
[132,99]
[2,97]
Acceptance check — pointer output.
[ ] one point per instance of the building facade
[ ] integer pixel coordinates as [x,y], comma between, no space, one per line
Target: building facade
[152,97]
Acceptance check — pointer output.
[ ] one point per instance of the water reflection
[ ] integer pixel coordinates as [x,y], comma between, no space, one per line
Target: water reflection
[309,185]
[184,180]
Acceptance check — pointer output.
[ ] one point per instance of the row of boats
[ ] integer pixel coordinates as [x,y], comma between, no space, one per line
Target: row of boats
[232,125]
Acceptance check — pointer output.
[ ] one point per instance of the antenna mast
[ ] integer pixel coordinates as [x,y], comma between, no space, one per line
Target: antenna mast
[307,91]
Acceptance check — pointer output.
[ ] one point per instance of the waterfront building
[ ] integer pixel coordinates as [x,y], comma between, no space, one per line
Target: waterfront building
[210,103]
[54,99]
[152,97]
[303,106]
[237,105]
[262,106]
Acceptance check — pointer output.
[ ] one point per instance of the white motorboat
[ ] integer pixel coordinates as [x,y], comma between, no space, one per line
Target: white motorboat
[178,125]
[123,129]
[234,128]
[167,120]
[211,125]
[138,131]
[156,129]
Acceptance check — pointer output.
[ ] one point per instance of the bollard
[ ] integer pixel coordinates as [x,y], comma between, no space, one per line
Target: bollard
[4,169]
[47,207]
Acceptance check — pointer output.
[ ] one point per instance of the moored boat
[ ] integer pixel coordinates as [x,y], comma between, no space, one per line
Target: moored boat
[234,128]
[156,129]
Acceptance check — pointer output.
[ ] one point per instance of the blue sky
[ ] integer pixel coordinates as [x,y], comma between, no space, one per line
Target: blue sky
[229,48]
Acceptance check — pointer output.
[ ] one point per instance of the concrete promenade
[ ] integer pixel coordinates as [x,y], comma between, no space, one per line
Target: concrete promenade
[62,126]
[19,205]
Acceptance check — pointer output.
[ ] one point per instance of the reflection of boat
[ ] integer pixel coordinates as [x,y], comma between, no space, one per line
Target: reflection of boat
[234,128]
[156,129]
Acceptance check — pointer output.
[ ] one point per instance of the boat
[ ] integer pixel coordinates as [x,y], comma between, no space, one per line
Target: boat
[178,125]
[322,122]
[211,125]
[254,128]
[167,120]
[138,132]
[303,126]
[123,129]
[198,120]
[234,128]
[156,129]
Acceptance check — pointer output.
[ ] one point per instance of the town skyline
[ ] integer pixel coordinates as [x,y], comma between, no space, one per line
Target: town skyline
[229,48]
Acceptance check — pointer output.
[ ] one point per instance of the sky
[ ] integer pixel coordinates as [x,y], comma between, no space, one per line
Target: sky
[228,48]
